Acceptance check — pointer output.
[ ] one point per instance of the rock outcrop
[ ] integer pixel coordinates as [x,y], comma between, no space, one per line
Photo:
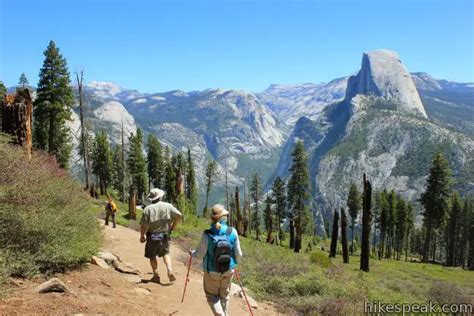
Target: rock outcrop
[382,74]
[53,285]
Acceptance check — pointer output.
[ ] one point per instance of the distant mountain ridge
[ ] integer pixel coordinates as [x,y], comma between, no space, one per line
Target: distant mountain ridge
[380,128]
[247,131]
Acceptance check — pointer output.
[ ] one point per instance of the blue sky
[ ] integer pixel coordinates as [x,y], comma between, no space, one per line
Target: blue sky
[158,46]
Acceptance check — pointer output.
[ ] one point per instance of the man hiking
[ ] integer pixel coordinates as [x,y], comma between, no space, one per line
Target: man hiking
[219,248]
[159,219]
[110,211]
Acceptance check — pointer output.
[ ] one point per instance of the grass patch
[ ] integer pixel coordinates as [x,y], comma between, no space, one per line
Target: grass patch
[312,283]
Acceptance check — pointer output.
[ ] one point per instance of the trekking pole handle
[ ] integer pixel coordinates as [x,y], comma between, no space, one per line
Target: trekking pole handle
[243,291]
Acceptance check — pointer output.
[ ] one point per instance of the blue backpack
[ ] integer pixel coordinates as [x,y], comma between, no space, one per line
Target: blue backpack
[222,250]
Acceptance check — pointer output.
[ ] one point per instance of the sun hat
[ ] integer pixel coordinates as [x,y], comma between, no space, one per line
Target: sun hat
[218,211]
[155,194]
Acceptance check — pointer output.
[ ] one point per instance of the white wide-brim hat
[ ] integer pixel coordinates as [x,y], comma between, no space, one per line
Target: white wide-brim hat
[155,194]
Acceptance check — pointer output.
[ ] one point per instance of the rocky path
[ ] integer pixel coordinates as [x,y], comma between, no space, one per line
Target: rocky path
[125,243]
[99,289]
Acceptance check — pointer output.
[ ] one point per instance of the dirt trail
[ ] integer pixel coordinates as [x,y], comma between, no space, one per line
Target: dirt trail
[97,291]
[125,243]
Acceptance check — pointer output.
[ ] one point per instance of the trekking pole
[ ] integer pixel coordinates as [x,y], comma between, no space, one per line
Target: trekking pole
[243,291]
[187,275]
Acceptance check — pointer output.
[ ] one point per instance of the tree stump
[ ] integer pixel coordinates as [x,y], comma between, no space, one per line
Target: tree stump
[17,118]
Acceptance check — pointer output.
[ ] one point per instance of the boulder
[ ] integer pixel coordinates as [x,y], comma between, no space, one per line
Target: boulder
[140,290]
[99,262]
[107,256]
[53,285]
[234,289]
[253,303]
[132,278]
[125,267]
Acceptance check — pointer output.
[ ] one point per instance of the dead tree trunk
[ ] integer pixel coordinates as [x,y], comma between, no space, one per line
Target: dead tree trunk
[17,115]
[84,136]
[345,250]
[132,204]
[335,228]
[239,225]
[366,218]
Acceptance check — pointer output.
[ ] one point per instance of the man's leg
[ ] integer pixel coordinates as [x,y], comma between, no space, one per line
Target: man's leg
[169,267]
[113,219]
[154,268]
[107,218]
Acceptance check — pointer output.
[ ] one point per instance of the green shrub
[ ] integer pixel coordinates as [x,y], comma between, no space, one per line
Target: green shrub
[47,223]
[321,259]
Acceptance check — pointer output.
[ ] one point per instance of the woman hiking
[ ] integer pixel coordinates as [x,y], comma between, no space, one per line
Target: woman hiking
[220,249]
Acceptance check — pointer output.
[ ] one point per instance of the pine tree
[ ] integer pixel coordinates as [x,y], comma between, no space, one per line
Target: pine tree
[464,231]
[279,200]
[117,172]
[298,191]
[268,218]
[345,251]
[376,219]
[453,230]
[170,181]
[137,164]
[210,176]
[102,161]
[470,221]
[409,228]
[383,222]
[23,81]
[353,203]
[191,186]
[400,225]
[391,220]
[52,107]
[435,200]
[3,92]
[335,230]
[154,162]
[255,192]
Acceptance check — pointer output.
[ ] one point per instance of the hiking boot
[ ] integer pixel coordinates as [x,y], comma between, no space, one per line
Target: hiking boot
[155,279]
[171,276]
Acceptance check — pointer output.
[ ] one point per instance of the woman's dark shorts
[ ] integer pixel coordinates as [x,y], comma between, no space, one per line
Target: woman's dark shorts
[156,245]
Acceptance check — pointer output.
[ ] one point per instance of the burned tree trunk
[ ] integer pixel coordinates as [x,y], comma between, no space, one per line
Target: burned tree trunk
[366,218]
[17,118]
[345,250]
[239,225]
[132,204]
[84,137]
[335,228]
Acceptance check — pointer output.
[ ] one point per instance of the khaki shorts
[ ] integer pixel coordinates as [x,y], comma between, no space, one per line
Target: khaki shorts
[156,248]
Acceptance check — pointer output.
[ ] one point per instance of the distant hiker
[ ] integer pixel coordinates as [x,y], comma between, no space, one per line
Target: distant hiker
[219,248]
[110,211]
[159,219]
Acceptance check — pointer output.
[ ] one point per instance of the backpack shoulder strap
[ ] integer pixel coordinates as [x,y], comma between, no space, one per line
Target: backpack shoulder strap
[228,232]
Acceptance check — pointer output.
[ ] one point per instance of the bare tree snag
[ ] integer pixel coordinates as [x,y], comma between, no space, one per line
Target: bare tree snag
[17,116]
[132,204]
[366,223]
